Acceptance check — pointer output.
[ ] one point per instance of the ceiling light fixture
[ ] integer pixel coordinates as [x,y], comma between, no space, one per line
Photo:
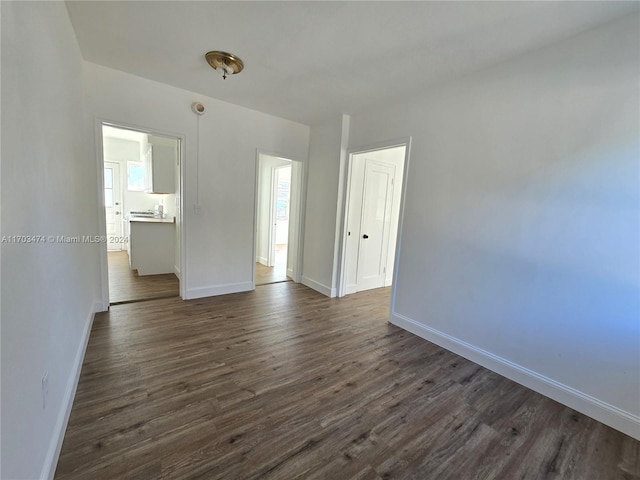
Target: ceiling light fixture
[228,63]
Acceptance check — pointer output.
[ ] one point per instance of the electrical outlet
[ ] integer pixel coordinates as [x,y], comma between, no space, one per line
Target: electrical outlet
[45,388]
[196,209]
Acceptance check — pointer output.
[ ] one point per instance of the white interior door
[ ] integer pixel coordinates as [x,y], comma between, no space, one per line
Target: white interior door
[375,224]
[271,256]
[282,194]
[113,205]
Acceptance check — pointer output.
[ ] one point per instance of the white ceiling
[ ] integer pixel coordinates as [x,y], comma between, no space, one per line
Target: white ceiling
[307,61]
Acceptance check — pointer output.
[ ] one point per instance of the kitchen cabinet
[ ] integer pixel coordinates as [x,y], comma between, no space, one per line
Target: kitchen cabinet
[152,245]
[161,160]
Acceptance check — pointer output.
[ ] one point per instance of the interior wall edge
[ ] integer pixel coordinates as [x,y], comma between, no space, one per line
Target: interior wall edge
[340,200]
[603,412]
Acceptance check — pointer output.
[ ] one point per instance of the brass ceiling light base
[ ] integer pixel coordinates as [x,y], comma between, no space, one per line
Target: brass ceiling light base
[228,63]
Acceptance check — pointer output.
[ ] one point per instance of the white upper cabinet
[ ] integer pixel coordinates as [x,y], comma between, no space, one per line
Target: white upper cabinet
[162,157]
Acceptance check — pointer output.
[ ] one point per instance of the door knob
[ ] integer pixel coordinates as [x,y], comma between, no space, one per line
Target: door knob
[365,236]
[117,213]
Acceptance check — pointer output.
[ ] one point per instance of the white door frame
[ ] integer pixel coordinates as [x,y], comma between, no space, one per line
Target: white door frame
[102,221]
[406,142]
[295,227]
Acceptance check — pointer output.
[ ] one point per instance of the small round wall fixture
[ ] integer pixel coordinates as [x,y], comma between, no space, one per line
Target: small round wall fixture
[198,108]
[228,63]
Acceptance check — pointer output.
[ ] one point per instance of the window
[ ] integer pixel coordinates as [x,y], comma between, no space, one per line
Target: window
[108,187]
[282,203]
[136,177]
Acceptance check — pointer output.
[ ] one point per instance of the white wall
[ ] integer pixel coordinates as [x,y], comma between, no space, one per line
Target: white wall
[327,151]
[49,290]
[219,241]
[520,239]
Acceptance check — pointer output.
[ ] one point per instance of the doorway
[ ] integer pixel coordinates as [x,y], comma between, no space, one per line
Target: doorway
[277,219]
[373,200]
[141,183]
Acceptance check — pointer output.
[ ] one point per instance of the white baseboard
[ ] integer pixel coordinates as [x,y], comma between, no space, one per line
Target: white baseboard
[610,415]
[263,260]
[319,287]
[53,453]
[99,307]
[215,290]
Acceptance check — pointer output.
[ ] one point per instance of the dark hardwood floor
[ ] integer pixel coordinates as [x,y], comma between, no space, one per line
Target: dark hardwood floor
[125,285]
[284,383]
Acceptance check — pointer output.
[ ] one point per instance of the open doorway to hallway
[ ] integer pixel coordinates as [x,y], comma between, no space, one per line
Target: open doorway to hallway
[277,219]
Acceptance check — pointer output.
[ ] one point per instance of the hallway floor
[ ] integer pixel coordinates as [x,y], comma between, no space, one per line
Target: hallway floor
[125,285]
[278,273]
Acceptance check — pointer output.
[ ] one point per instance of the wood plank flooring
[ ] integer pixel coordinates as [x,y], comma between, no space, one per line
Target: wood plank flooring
[267,275]
[125,285]
[284,383]
[277,273]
